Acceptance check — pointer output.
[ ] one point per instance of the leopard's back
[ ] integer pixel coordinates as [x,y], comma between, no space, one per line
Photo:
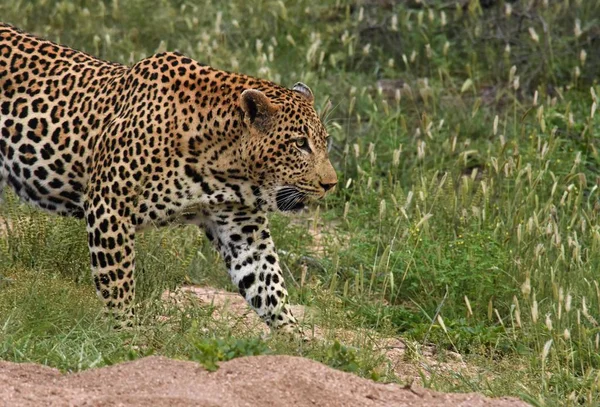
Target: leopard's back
[54,102]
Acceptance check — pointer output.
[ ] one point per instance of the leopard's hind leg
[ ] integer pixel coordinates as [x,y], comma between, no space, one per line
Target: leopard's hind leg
[2,183]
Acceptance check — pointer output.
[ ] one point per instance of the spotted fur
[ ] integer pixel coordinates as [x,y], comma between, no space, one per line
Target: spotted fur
[165,140]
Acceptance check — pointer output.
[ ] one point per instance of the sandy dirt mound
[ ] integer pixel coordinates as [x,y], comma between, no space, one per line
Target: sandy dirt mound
[248,381]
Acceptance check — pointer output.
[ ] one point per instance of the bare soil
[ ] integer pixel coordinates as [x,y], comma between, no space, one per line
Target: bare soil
[248,381]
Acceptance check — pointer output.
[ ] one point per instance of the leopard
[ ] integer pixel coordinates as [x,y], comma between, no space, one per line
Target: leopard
[166,140]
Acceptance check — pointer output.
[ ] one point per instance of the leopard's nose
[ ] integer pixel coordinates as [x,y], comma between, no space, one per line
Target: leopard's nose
[327,187]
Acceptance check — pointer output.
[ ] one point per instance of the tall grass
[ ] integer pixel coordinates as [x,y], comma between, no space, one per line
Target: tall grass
[466,214]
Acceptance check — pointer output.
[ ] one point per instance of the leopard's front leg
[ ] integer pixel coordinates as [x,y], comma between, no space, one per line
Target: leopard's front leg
[111,237]
[245,243]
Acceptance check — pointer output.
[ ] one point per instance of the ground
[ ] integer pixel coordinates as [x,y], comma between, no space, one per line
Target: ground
[247,381]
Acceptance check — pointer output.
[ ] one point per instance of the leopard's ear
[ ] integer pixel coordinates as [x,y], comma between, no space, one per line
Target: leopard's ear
[304,90]
[256,106]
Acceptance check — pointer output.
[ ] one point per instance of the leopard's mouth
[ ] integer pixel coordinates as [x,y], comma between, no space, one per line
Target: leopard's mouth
[290,199]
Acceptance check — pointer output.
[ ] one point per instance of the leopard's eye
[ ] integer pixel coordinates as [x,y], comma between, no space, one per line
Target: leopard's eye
[302,143]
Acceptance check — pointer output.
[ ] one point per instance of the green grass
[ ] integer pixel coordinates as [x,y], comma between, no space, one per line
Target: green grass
[466,214]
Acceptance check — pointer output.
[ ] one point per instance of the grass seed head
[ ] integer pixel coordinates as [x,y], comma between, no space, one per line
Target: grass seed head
[382,209]
[498,316]
[366,49]
[548,322]
[218,21]
[582,57]
[546,349]
[394,23]
[469,309]
[396,158]
[526,287]
[511,73]
[534,35]
[441,322]
[577,29]
[290,39]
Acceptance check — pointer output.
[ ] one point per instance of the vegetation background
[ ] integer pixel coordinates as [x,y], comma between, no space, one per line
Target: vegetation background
[466,141]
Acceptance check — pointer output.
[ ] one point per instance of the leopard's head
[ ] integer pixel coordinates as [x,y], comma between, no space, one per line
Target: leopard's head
[286,147]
